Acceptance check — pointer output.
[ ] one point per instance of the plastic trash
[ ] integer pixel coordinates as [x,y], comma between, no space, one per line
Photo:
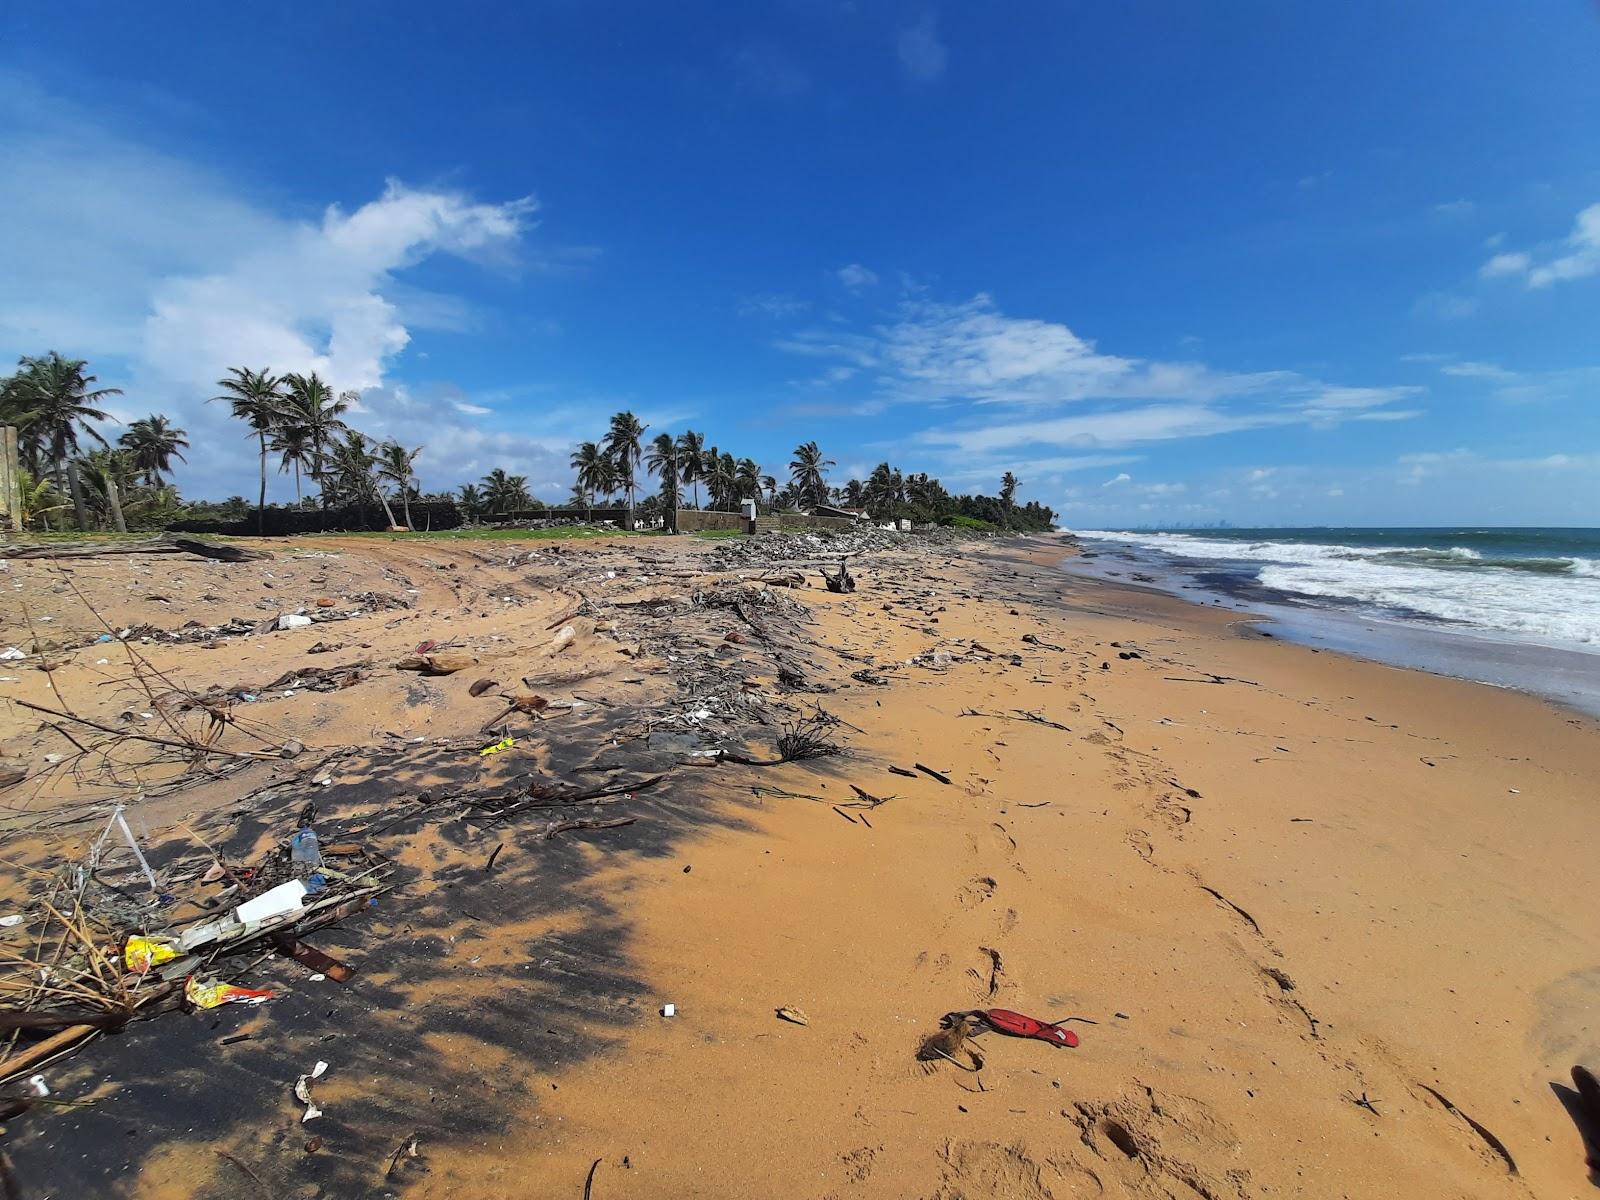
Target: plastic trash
[213,993]
[11,921]
[278,902]
[304,848]
[11,654]
[669,1010]
[293,621]
[142,953]
[315,883]
[502,744]
[302,1091]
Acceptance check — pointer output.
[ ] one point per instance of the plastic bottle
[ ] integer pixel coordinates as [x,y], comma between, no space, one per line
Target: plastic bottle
[304,849]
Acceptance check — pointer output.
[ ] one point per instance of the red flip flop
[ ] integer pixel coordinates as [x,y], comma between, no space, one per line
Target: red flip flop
[1003,1020]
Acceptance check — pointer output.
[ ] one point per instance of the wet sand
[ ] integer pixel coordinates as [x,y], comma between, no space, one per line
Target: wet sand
[1331,919]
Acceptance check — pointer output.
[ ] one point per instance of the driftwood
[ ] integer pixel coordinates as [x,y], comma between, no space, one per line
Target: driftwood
[169,545]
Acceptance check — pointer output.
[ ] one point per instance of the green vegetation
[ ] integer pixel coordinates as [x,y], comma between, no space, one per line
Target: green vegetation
[298,418]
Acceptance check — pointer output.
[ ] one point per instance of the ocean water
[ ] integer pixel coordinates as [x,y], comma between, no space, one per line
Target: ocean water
[1514,606]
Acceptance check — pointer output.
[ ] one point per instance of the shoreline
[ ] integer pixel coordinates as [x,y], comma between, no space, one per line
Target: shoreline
[1280,880]
[1563,675]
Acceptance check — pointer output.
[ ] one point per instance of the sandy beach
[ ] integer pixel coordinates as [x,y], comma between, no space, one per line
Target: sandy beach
[1330,920]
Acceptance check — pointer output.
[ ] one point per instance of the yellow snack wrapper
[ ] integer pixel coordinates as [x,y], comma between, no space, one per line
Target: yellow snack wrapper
[142,953]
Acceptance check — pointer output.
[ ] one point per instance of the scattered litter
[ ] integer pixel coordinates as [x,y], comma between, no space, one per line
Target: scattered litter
[480,687]
[213,993]
[956,1027]
[11,654]
[302,1092]
[504,743]
[669,1010]
[276,902]
[10,922]
[793,1015]
[142,953]
[293,621]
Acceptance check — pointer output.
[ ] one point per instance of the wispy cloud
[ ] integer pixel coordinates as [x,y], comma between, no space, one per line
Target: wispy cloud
[1053,391]
[922,55]
[1577,257]
[778,305]
[856,277]
[192,274]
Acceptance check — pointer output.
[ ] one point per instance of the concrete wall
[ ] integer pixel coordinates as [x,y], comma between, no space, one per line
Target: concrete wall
[691,520]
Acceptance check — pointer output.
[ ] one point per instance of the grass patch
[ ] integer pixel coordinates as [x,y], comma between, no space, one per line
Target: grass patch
[558,533]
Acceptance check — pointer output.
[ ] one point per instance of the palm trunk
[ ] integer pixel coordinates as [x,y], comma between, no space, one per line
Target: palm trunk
[299,500]
[261,504]
[115,502]
[405,499]
[387,511]
[76,489]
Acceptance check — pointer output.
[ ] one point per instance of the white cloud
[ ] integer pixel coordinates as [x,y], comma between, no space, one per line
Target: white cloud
[1580,259]
[1513,263]
[922,55]
[164,273]
[1122,477]
[938,355]
[1477,370]
[857,277]
[1583,258]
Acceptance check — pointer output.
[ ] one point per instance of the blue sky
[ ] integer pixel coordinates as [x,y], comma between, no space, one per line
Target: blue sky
[1268,263]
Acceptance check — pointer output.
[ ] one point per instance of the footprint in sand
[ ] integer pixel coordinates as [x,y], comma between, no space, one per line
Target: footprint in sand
[974,1170]
[1151,1144]
[975,891]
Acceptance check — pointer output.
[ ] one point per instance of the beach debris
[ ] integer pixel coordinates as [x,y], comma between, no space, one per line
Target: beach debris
[274,903]
[480,687]
[439,662]
[141,953]
[1483,1132]
[293,621]
[669,1010]
[302,1091]
[213,993]
[11,920]
[165,545]
[939,775]
[563,638]
[323,966]
[894,770]
[841,582]
[493,854]
[793,1015]
[504,743]
[1015,1024]
[949,1041]
[407,1150]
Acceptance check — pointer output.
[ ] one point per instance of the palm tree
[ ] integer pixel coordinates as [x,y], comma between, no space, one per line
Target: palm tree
[1008,494]
[471,499]
[349,473]
[109,471]
[769,484]
[722,480]
[154,442]
[747,478]
[292,444]
[398,466]
[517,490]
[59,398]
[691,460]
[500,491]
[806,471]
[311,406]
[663,461]
[256,398]
[596,471]
[882,491]
[854,494]
[622,448]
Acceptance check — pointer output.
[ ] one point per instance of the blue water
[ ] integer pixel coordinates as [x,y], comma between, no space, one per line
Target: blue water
[1515,606]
